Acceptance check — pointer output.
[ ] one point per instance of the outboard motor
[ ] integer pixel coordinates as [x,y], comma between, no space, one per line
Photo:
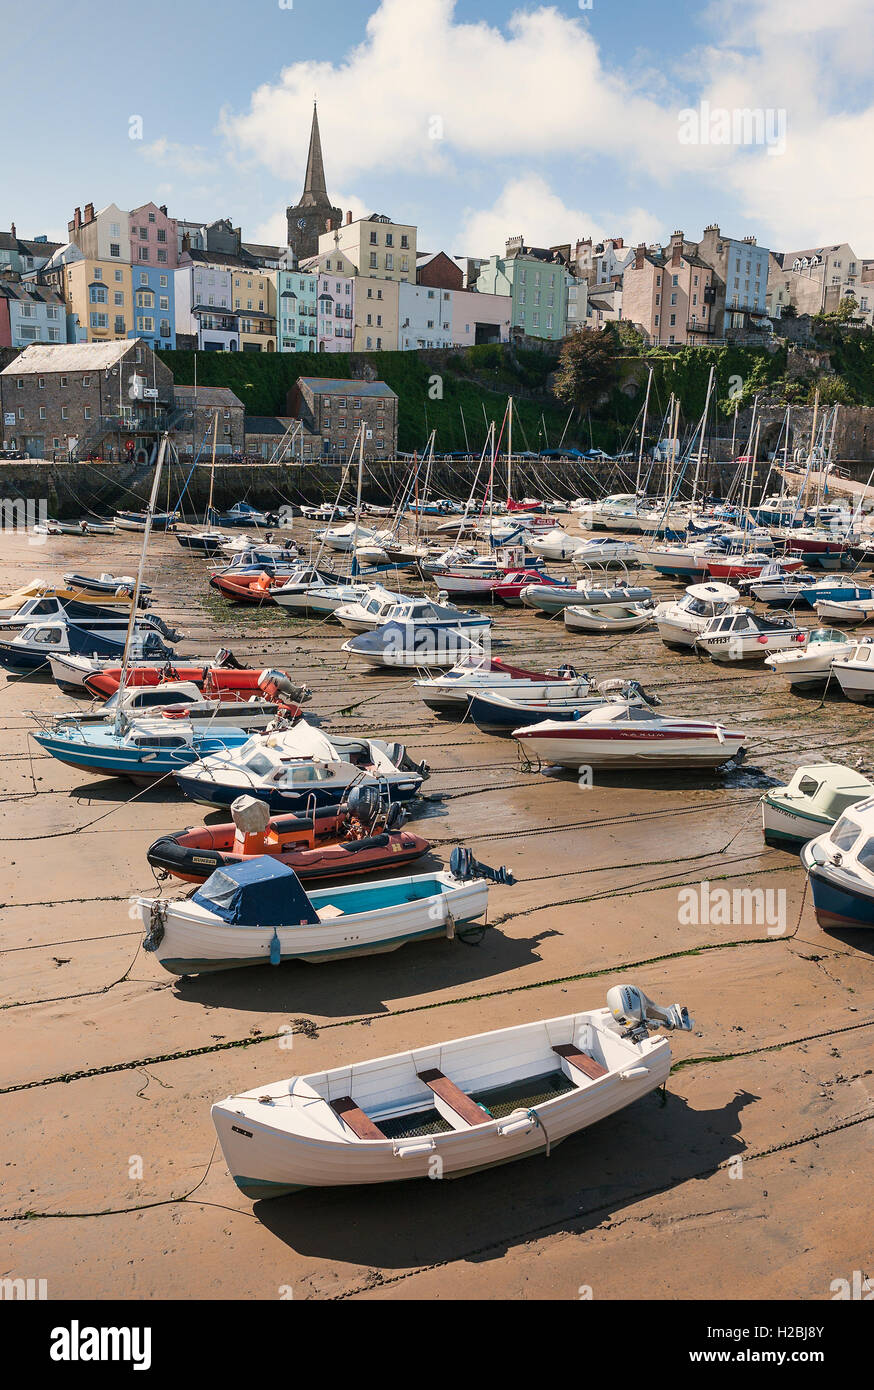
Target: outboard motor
[630,688]
[276,683]
[155,649]
[395,816]
[404,763]
[364,802]
[463,866]
[638,1014]
[225,658]
[569,673]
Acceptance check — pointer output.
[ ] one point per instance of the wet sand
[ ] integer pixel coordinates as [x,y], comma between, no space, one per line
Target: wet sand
[112,1182]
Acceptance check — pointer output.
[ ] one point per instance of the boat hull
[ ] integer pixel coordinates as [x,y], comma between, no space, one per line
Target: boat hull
[840,899]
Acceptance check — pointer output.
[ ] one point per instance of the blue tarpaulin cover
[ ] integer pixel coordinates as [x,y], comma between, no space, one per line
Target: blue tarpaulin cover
[257,893]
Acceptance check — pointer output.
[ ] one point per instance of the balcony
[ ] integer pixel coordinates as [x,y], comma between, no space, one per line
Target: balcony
[695,326]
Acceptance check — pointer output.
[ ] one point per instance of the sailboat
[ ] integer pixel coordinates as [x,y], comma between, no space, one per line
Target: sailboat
[205,542]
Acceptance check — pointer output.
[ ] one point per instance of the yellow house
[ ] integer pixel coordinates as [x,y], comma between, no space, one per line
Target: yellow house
[376,315]
[253,294]
[379,248]
[99,294]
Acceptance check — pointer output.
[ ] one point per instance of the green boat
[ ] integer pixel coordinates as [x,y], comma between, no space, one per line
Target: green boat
[817,795]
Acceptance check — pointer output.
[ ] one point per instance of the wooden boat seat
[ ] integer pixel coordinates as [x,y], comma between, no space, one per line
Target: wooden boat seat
[455,1098]
[581,1061]
[353,1116]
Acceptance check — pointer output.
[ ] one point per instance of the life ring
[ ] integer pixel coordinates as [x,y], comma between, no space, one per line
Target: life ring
[175,713]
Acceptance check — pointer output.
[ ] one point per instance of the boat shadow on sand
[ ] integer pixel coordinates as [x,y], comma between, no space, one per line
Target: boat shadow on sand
[589,1179]
[343,989]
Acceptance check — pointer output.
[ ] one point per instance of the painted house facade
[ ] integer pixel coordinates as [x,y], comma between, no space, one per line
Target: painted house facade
[378,248]
[537,282]
[254,303]
[30,313]
[813,281]
[296,310]
[424,317]
[376,315]
[668,293]
[99,299]
[741,281]
[478,317]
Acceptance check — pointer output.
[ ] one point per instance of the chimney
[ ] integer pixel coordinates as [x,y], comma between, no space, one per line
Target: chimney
[12,229]
[639,256]
[77,219]
[89,213]
[676,248]
[349,218]
[329,225]
[163,208]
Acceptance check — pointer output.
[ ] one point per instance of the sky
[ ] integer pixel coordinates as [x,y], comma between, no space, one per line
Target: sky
[475,120]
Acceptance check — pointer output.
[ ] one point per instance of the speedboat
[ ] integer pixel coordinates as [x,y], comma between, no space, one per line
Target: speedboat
[608,617]
[840,868]
[186,700]
[252,586]
[302,767]
[332,842]
[811,664]
[259,913]
[321,600]
[42,609]
[557,544]
[371,610]
[206,543]
[448,693]
[422,635]
[855,671]
[747,566]
[602,553]
[452,1107]
[508,589]
[743,635]
[106,588]
[241,514]
[680,622]
[623,735]
[345,538]
[497,711]
[815,797]
[297,584]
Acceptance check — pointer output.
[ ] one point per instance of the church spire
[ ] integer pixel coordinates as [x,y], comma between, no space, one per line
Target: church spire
[315,189]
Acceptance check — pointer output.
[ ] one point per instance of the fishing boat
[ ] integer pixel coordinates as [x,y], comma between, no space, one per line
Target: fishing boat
[448,693]
[625,735]
[839,867]
[815,797]
[331,842]
[29,651]
[555,598]
[811,665]
[500,712]
[608,617]
[855,671]
[136,521]
[422,635]
[453,1107]
[848,611]
[303,767]
[241,514]
[324,511]
[680,622]
[743,635]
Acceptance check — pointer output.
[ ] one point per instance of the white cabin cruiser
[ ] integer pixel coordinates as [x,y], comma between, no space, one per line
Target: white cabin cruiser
[855,671]
[681,621]
[623,734]
[370,611]
[743,635]
[448,694]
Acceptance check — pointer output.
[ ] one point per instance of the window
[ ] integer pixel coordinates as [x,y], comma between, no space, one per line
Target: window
[98,273]
[163,282]
[373,260]
[673,299]
[675,279]
[97,294]
[163,302]
[144,233]
[40,381]
[405,243]
[63,381]
[42,412]
[162,234]
[114,249]
[146,324]
[115,229]
[144,253]
[120,325]
[86,381]
[119,276]
[87,412]
[373,239]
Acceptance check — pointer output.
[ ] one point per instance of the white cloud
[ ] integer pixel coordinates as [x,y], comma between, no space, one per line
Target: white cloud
[539,93]
[192,160]
[528,206]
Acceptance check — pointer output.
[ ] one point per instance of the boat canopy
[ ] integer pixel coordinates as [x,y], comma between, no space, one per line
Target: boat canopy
[261,892]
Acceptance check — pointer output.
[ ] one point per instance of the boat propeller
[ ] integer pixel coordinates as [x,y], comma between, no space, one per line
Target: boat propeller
[462,865]
[638,1013]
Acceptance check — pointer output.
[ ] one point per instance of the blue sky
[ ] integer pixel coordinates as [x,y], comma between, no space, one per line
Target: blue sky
[474,119]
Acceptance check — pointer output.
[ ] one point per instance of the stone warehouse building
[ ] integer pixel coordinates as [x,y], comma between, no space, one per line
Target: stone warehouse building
[88,400]
[334,408]
[200,409]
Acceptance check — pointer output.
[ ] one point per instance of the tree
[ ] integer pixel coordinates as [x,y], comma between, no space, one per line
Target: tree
[586,369]
[833,390]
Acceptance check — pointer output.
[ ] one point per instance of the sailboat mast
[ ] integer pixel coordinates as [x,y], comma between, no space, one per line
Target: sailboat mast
[703,433]
[212,468]
[153,501]
[643,433]
[510,450]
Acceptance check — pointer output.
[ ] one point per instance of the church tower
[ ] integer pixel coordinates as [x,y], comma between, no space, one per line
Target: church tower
[309,218]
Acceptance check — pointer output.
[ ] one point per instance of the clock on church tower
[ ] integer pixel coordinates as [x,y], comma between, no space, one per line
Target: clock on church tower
[309,218]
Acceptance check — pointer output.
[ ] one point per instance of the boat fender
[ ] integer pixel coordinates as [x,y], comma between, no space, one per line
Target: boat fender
[450,925]
[410,1150]
[173,712]
[275,948]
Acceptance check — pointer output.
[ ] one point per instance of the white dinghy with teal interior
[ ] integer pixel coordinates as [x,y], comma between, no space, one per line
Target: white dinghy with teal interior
[451,1107]
[815,797]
